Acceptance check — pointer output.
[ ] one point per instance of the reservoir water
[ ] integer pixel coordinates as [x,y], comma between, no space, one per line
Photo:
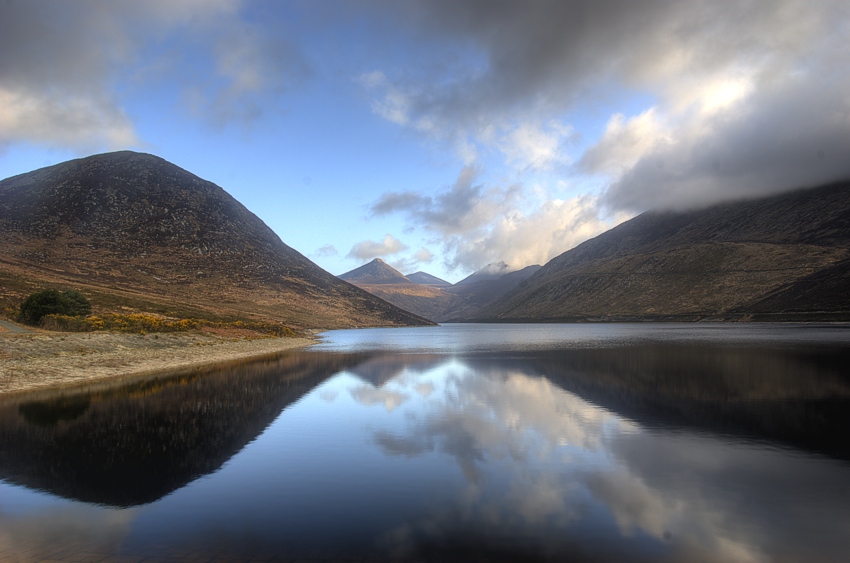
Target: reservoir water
[596,442]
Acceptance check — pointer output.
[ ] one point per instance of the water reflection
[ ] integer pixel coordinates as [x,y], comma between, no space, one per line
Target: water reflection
[552,474]
[134,444]
[654,450]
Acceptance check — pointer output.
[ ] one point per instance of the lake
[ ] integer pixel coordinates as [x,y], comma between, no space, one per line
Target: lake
[590,442]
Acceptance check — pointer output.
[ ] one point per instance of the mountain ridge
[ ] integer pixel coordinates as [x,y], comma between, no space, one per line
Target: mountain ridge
[729,261]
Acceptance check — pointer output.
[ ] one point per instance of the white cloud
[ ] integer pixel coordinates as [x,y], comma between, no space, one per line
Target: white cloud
[369,249]
[624,143]
[530,145]
[63,120]
[423,255]
[369,396]
[327,250]
[521,240]
[478,225]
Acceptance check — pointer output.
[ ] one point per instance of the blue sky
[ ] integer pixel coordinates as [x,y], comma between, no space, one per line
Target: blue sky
[438,135]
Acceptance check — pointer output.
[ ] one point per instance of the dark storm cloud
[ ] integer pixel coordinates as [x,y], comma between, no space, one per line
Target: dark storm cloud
[788,127]
[788,136]
[554,52]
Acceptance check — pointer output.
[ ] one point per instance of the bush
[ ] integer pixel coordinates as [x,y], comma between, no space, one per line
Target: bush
[70,303]
[143,323]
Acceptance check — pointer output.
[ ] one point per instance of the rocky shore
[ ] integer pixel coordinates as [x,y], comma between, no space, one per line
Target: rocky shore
[41,360]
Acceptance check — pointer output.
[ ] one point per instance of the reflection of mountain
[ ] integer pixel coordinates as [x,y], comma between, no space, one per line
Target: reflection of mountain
[799,397]
[557,478]
[795,396]
[134,444]
[380,369]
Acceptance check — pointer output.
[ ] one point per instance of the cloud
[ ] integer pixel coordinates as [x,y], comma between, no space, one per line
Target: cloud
[653,492]
[743,98]
[63,120]
[795,133]
[536,146]
[251,62]
[478,225]
[369,249]
[526,145]
[369,396]
[423,255]
[327,250]
[63,66]
[624,143]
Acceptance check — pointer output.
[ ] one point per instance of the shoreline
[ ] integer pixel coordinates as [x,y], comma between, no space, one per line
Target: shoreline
[41,361]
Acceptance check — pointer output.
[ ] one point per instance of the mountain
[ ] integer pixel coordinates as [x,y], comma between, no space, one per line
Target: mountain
[430,297]
[377,271]
[383,281]
[785,257]
[427,279]
[137,233]
[489,272]
[473,295]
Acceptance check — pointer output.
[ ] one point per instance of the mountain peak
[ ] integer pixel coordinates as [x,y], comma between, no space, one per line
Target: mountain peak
[491,271]
[424,278]
[377,271]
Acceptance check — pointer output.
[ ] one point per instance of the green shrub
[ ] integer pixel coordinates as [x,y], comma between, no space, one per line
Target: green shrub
[70,303]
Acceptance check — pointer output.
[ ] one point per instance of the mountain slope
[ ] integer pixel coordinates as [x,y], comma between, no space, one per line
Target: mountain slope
[488,273]
[134,230]
[471,296]
[441,301]
[783,257]
[377,271]
[425,278]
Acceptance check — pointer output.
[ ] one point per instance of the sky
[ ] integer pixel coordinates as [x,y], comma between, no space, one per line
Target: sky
[439,135]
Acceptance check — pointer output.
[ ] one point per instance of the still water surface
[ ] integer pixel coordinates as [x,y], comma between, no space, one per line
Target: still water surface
[631,442]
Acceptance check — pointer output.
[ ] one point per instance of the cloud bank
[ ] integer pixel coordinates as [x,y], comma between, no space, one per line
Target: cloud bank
[744,98]
[477,226]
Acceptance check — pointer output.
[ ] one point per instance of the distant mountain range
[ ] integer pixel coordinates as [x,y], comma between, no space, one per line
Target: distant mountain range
[137,233]
[781,258]
[429,296]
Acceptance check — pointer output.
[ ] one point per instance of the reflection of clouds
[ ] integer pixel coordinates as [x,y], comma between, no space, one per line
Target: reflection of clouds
[329,395]
[100,530]
[734,502]
[368,396]
[378,370]
[500,416]
[643,494]
[424,389]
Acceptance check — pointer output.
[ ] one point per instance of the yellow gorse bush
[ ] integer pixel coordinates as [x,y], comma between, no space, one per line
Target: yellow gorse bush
[146,322]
